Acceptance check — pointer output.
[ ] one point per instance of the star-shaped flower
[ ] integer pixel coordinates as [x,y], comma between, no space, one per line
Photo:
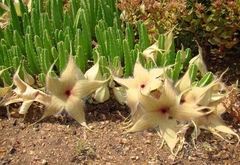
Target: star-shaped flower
[25,94]
[165,112]
[68,90]
[143,80]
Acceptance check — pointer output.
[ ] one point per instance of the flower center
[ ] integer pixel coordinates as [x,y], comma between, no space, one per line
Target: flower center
[142,86]
[164,110]
[68,93]
[182,101]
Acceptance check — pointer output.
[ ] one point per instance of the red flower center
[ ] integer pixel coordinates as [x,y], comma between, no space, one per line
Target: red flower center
[164,110]
[68,93]
[143,85]
[182,101]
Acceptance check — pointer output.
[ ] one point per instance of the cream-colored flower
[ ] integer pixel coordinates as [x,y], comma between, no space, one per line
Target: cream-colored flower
[102,94]
[198,60]
[25,94]
[144,80]
[68,90]
[151,52]
[164,112]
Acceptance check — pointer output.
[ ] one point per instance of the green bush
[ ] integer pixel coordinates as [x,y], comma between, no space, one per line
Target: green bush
[214,24]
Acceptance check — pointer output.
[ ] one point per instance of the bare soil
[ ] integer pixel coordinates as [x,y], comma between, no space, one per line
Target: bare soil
[61,140]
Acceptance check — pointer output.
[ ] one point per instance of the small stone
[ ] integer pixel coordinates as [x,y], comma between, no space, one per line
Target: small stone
[147,142]
[36,129]
[22,125]
[44,162]
[104,146]
[135,158]
[124,141]
[12,150]
[15,122]
[132,157]
[74,132]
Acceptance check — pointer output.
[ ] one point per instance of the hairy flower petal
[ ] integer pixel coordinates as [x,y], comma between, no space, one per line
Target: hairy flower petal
[25,106]
[102,94]
[126,82]
[83,88]
[168,130]
[140,73]
[76,110]
[148,120]
[71,74]
[120,94]
[188,113]
[27,77]
[94,72]
[132,99]
[199,95]
[149,103]
[55,106]
[57,87]
[184,83]
[217,123]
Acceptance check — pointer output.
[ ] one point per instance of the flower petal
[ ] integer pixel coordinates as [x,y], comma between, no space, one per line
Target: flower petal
[25,106]
[56,86]
[140,74]
[219,125]
[94,72]
[168,129]
[126,82]
[199,95]
[149,120]
[151,104]
[55,106]
[151,52]
[84,87]
[120,94]
[189,112]
[132,99]
[168,96]
[21,85]
[70,74]
[102,94]
[43,98]
[184,83]
[75,109]
[27,77]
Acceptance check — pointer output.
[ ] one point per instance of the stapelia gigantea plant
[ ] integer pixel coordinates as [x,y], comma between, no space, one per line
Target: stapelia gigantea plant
[38,35]
[159,99]
[42,34]
[63,93]
[156,96]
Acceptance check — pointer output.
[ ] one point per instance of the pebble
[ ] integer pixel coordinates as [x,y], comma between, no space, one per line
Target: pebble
[15,122]
[124,141]
[12,150]
[104,146]
[147,142]
[22,125]
[74,132]
[192,158]
[44,162]
[135,158]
